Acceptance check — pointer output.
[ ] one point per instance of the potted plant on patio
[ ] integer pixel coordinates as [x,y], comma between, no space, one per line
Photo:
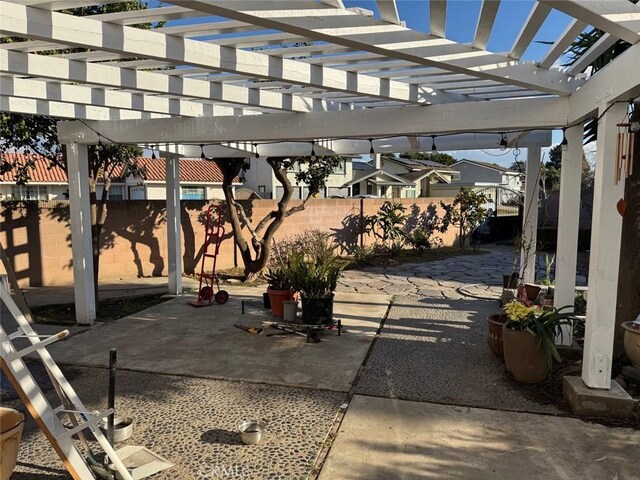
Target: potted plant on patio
[632,341]
[495,323]
[279,290]
[316,279]
[529,339]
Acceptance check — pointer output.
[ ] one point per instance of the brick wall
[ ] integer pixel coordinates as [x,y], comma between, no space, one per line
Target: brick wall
[37,236]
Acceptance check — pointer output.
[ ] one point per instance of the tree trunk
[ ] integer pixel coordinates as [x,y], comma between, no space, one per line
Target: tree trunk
[628,304]
[256,261]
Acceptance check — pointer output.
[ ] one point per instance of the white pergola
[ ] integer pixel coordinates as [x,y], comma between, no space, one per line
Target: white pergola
[344,75]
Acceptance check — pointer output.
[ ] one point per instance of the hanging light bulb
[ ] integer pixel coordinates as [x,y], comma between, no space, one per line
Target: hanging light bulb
[202,155]
[565,144]
[255,147]
[153,152]
[371,150]
[503,143]
[434,149]
[100,147]
[313,149]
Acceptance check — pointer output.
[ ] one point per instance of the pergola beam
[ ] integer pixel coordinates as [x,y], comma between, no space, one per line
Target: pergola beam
[83,95]
[438,17]
[32,106]
[399,43]
[487,17]
[619,18]
[45,66]
[532,24]
[84,32]
[617,81]
[562,43]
[505,115]
[388,11]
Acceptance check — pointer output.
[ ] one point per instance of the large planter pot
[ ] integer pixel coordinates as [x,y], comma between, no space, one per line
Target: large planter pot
[11,423]
[532,290]
[523,356]
[632,343]
[317,311]
[277,299]
[510,281]
[494,337]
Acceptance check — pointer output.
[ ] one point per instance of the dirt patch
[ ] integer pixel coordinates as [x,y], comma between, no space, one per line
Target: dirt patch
[107,310]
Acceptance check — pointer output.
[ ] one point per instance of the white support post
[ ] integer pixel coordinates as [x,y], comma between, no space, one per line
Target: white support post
[81,246]
[530,218]
[606,232]
[568,224]
[174,241]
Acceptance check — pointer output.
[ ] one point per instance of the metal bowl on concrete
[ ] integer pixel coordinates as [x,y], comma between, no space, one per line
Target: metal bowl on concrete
[122,428]
[251,431]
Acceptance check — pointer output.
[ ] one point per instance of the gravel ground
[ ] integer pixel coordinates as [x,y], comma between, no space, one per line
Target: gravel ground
[192,422]
[434,349]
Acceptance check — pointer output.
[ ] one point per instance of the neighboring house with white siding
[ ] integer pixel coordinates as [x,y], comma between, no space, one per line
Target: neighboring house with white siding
[199,180]
[489,178]
[261,179]
[390,176]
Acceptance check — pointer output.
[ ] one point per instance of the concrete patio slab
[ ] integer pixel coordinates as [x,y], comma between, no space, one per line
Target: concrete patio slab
[381,439]
[176,338]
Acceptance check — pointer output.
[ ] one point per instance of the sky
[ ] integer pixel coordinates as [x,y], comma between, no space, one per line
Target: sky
[462,16]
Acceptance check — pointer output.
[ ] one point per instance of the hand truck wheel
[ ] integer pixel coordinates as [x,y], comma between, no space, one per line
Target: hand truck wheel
[206,293]
[222,297]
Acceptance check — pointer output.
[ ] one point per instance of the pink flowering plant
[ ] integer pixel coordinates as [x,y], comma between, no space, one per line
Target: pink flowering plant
[543,323]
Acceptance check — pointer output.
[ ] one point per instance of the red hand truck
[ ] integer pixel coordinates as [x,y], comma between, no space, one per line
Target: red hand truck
[213,236]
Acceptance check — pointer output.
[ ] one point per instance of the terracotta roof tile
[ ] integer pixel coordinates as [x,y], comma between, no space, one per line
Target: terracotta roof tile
[191,170]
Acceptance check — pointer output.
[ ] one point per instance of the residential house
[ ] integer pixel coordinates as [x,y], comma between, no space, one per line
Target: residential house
[200,180]
[261,179]
[390,176]
[495,181]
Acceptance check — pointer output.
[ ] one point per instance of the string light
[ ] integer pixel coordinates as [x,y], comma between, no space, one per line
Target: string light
[565,144]
[153,152]
[100,147]
[371,150]
[202,155]
[434,149]
[255,148]
[503,143]
[313,149]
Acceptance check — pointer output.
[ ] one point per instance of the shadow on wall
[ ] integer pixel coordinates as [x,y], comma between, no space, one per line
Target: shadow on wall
[20,226]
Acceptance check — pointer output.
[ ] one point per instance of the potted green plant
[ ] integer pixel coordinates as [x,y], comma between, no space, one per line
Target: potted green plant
[279,290]
[529,339]
[316,279]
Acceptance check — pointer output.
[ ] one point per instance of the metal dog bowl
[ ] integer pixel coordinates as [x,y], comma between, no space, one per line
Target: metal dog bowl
[122,428]
[251,431]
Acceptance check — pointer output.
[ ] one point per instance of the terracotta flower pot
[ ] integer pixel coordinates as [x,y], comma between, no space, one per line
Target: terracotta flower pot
[277,299]
[532,290]
[523,356]
[494,336]
[632,343]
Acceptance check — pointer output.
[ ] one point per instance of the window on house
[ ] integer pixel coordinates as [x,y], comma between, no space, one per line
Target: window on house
[410,192]
[116,193]
[369,189]
[355,189]
[262,188]
[455,176]
[193,193]
[29,192]
[340,168]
